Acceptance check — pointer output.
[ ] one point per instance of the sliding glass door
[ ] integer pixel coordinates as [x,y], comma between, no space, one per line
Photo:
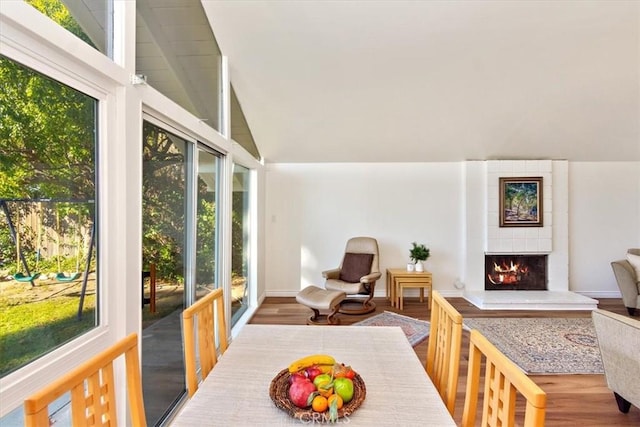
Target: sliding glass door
[207,194]
[166,157]
[181,181]
[240,249]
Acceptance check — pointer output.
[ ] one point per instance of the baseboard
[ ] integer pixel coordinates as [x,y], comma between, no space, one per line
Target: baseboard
[285,294]
[450,293]
[409,293]
[600,294]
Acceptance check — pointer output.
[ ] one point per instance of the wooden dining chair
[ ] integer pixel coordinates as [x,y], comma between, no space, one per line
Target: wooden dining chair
[503,381]
[207,315]
[443,351]
[93,389]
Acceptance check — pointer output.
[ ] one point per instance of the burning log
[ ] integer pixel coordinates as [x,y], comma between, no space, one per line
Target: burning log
[507,274]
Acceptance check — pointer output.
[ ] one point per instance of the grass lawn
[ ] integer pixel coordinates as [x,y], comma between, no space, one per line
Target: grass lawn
[33,321]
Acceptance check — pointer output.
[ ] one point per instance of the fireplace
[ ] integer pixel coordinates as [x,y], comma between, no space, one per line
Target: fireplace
[515,272]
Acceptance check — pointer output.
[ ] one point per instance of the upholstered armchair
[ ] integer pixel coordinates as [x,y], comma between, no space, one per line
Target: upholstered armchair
[356,276]
[627,272]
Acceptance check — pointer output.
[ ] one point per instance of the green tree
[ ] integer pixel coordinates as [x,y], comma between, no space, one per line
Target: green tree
[57,11]
[238,262]
[47,132]
[206,265]
[163,196]
[47,148]
[47,137]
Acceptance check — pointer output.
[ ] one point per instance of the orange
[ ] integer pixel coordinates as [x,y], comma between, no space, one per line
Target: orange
[337,398]
[319,404]
[325,392]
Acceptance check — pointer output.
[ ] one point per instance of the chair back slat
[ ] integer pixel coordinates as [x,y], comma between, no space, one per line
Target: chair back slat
[503,380]
[206,320]
[92,400]
[92,388]
[443,351]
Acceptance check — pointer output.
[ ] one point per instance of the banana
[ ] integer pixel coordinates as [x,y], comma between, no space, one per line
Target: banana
[314,359]
[326,369]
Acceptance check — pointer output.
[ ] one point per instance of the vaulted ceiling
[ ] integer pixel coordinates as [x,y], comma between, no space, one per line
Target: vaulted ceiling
[403,81]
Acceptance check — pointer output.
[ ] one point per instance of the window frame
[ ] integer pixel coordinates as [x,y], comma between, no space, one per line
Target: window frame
[35,41]
[98,77]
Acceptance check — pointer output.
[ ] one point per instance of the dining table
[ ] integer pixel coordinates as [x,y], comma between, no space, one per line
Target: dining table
[236,392]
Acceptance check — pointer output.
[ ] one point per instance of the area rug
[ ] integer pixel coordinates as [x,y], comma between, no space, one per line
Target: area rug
[416,330]
[544,345]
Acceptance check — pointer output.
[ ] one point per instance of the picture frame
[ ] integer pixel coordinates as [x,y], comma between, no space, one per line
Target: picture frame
[521,202]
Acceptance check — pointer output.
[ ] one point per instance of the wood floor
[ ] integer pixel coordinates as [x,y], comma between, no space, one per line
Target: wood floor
[572,400]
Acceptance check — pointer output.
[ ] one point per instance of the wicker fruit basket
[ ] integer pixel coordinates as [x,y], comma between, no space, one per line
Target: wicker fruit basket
[279,393]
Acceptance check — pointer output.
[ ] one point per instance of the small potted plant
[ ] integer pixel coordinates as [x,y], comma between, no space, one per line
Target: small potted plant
[418,253]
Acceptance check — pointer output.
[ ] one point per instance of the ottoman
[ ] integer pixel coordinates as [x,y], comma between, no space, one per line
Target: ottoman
[321,299]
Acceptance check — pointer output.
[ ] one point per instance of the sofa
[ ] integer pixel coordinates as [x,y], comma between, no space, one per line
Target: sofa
[627,272]
[619,342]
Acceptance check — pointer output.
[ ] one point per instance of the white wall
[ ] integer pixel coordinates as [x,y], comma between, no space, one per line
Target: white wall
[312,209]
[604,221]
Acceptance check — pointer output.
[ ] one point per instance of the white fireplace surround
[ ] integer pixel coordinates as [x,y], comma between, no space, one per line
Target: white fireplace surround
[485,236]
[521,240]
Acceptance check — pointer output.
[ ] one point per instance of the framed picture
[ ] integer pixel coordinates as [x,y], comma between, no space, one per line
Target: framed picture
[521,202]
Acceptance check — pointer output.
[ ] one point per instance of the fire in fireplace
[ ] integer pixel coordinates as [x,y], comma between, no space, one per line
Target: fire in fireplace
[515,272]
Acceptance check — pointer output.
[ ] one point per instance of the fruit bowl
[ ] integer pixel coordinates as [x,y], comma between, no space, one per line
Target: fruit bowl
[279,393]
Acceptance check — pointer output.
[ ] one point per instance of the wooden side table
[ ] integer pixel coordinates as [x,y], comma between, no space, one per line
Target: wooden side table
[400,278]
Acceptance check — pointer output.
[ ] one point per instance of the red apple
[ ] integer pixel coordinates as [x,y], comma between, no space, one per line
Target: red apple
[300,393]
[298,376]
[313,372]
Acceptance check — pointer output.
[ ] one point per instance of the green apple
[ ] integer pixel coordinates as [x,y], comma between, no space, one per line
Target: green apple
[321,379]
[343,387]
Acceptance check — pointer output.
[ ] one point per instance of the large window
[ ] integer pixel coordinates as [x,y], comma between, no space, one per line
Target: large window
[90,21]
[48,267]
[240,248]
[103,232]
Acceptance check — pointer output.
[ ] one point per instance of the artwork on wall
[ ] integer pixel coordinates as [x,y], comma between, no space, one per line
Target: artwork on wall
[521,202]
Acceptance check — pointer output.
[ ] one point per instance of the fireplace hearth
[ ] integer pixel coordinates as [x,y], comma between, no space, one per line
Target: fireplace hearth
[515,272]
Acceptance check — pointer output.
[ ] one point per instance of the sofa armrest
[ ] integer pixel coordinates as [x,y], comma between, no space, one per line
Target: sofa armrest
[619,342]
[627,282]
